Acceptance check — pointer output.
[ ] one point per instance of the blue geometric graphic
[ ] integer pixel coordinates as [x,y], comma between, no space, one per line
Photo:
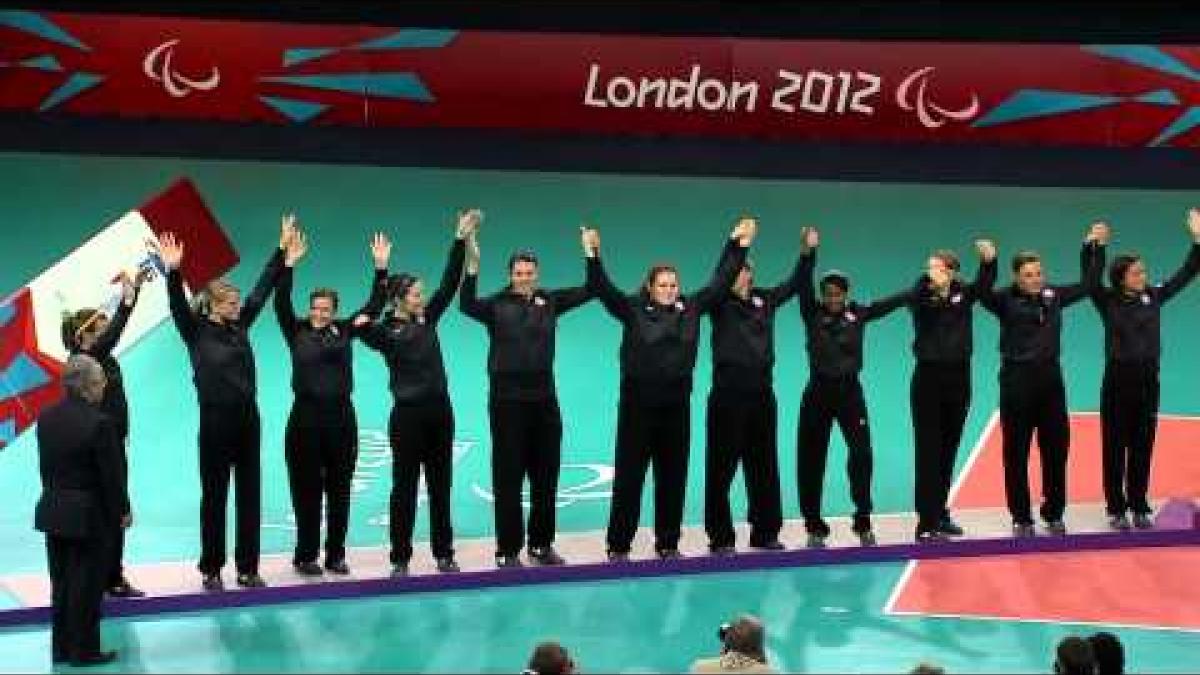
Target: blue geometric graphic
[75,84]
[1146,57]
[1030,103]
[299,55]
[388,85]
[297,111]
[22,376]
[409,38]
[7,312]
[8,431]
[32,22]
[1159,97]
[1182,124]
[43,63]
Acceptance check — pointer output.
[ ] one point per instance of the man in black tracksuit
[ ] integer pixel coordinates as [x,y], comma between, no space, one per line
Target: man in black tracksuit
[223,366]
[742,420]
[940,393]
[321,440]
[526,423]
[658,354]
[421,427]
[1131,311]
[1032,394]
[834,328]
[89,332]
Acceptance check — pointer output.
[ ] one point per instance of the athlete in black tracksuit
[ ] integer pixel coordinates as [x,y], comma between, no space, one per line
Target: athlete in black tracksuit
[742,420]
[526,423]
[940,393]
[321,439]
[1129,395]
[1032,395]
[658,355]
[421,427]
[229,437]
[114,404]
[834,342]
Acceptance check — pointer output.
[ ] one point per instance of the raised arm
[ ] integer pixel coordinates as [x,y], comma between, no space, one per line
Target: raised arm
[107,341]
[1090,265]
[294,250]
[469,301]
[985,276]
[806,289]
[615,302]
[381,252]
[1097,292]
[733,256]
[1191,265]
[171,250]
[452,274]
[881,308]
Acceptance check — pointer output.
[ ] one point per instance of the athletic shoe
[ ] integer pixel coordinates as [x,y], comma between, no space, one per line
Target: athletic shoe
[546,556]
[508,561]
[338,567]
[252,580]
[1056,527]
[308,569]
[446,565]
[1120,522]
[213,582]
[948,527]
[1143,521]
[1023,530]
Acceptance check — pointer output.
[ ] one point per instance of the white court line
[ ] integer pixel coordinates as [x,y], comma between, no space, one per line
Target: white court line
[901,583]
[1057,622]
[976,451]
[1161,416]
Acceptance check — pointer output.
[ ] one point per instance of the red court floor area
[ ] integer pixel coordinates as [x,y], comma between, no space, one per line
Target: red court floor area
[1153,588]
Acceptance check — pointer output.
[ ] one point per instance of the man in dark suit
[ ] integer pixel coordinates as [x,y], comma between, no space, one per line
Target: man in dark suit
[83,505]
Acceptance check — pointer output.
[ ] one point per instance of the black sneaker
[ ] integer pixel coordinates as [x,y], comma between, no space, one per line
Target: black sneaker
[1023,530]
[1119,523]
[722,551]
[97,659]
[931,536]
[446,565]
[399,570]
[338,567]
[308,569]
[948,527]
[618,556]
[124,590]
[213,583]
[668,553]
[251,580]
[508,561]
[867,538]
[773,545]
[816,540]
[1056,527]
[546,556]
[1143,521]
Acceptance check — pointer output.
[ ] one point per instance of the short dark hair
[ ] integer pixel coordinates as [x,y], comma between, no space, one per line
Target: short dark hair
[836,278]
[523,255]
[1120,265]
[1074,657]
[1110,655]
[550,658]
[327,293]
[75,323]
[1023,258]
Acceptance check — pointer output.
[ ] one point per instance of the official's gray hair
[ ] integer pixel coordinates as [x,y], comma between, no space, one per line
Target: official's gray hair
[81,369]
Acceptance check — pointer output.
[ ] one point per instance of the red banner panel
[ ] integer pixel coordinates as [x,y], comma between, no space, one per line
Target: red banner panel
[911,92]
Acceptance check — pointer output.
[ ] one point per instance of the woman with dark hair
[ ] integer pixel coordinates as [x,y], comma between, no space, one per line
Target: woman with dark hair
[526,423]
[1032,394]
[834,327]
[1132,313]
[92,332]
[660,329]
[940,393]
[421,427]
[321,440]
[230,432]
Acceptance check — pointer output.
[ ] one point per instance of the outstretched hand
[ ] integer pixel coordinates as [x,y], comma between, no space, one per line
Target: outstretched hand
[744,231]
[810,238]
[1099,233]
[1193,222]
[287,230]
[381,250]
[171,250]
[361,320]
[986,248]
[589,237]
[469,221]
[296,247]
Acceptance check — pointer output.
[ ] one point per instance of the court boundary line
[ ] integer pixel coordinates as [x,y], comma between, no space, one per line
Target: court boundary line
[1056,622]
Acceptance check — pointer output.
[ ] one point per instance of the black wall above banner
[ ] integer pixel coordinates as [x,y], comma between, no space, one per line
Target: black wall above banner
[1155,21]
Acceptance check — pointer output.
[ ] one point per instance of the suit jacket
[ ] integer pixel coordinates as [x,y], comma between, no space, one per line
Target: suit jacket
[83,475]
